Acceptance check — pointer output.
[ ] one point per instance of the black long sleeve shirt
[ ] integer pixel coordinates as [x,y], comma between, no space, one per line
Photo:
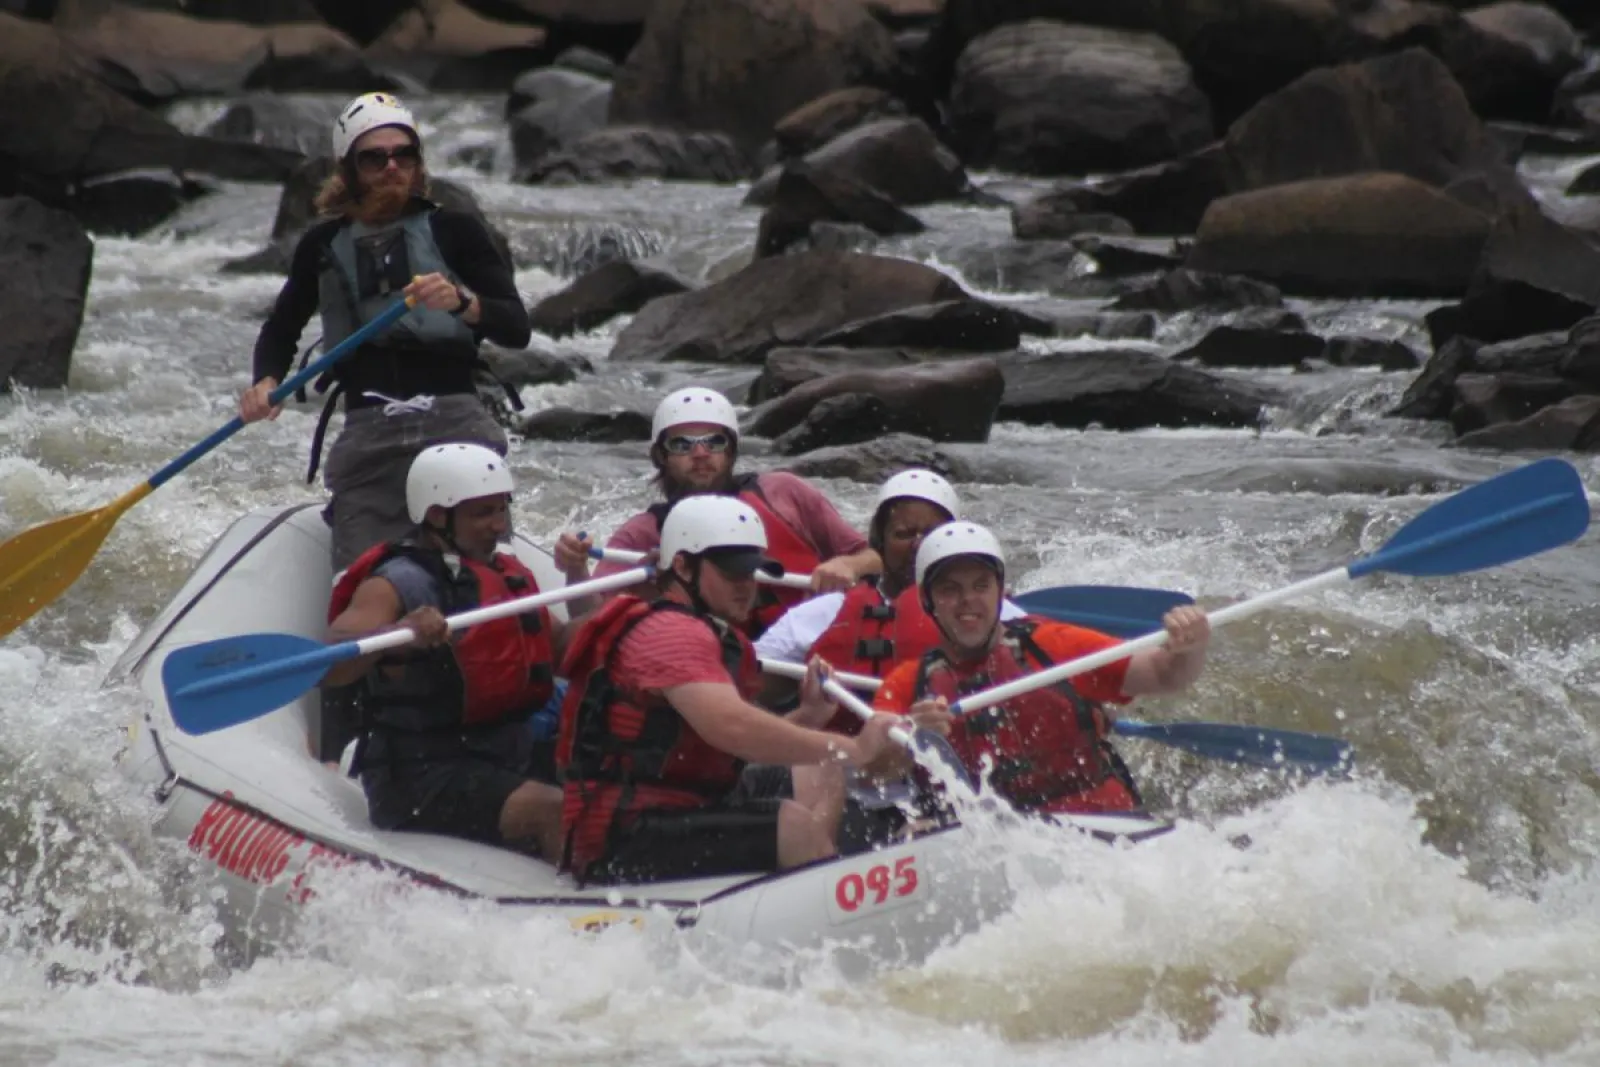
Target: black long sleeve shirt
[463,243]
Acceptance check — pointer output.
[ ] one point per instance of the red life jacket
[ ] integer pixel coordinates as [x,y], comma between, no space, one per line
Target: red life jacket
[785,544]
[1048,747]
[620,751]
[870,635]
[493,673]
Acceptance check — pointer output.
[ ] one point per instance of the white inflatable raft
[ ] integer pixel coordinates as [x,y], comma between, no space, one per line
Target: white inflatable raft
[254,803]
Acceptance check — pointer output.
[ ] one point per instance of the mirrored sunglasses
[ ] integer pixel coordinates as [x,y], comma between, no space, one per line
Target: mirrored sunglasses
[682,446]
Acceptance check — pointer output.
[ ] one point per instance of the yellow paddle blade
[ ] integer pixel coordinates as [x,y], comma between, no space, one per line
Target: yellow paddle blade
[42,562]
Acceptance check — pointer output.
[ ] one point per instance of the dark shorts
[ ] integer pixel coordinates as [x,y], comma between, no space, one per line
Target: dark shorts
[737,836]
[459,797]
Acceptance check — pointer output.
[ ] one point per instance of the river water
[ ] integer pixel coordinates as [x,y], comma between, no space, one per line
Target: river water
[1441,906]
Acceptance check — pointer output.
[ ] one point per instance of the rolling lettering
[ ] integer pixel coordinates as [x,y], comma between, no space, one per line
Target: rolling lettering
[243,844]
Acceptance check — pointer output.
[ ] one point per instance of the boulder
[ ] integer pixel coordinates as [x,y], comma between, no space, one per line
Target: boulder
[456,49]
[1573,425]
[805,196]
[620,287]
[875,460]
[551,109]
[898,157]
[618,153]
[948,400]
[46,259]
[816,122]
[1186,289]
[1124,390]
[738,66]
[1374,234]
[970,325]
[1046,97]
[771,303]
[568,424]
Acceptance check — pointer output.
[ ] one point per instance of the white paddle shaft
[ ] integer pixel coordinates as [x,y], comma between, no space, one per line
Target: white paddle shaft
[835,687]
[397,638]
[625,555]
[1083,664]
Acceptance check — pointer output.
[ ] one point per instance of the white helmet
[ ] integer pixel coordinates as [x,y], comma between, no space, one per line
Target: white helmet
[369,112]
[693,404]
[921,485]
[445,475]
[957,539]
[710,522]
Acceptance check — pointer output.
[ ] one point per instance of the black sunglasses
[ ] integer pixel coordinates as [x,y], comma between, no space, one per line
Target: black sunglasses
[682,446]
[376,159]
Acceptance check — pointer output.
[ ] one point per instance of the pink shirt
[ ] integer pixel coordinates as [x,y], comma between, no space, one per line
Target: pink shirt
[667,649]
[793,499]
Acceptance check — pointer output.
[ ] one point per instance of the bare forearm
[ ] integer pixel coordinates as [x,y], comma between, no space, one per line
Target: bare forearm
[865,562]
[1164,671]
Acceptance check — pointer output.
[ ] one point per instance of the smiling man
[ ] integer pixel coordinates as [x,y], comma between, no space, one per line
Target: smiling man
[695,446]
[1049,748]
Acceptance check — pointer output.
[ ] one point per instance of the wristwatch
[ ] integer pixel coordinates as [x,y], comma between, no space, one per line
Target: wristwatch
[465,301]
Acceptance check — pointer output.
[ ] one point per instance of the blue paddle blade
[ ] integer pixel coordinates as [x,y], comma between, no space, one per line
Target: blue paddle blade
[218,684]
[1509,517]
[1256,746]
[1116,610]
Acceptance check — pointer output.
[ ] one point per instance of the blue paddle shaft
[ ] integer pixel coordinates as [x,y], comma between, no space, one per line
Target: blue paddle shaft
[390,316]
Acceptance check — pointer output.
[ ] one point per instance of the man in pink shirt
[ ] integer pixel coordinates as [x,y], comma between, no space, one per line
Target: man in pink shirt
[694,448]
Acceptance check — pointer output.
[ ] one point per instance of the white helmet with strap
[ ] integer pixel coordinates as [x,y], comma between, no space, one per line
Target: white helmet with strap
[912,485]
[694,404]
[957,540]
[698,524]
[368,112]
[445,475]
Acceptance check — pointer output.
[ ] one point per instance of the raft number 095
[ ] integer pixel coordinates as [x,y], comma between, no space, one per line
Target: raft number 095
[878,885]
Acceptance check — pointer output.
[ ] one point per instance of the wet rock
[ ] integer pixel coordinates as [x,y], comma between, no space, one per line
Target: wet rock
[1067,319]
[1377,234]
[738,66]
[948,400]
[1489,399]
[620,287]
[805,195]
[816,122]
[846,419]
[1513,62]
[1164,198]
[1401,113]
[618,153]
[772,303]
[1120,256]
[63,127]
[876,460]
[587,61]
[1577,100]
[1243,346]
[455,49]
[159,55]
[1056,215]
[297,211]
[1124,390]
[551,109]
[1517,139]
[1046,97]
[298,124]
[785,368]
[1573,425]
[46,259]
[604,427]
[969,325]
[1586,183]
[1185,289]
[898,157]
[841,237]
[1377,352]
[134,202]
[535,366]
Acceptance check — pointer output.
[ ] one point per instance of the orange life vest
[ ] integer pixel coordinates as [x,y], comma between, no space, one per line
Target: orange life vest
[622,752]
[1048,747]
[493,673]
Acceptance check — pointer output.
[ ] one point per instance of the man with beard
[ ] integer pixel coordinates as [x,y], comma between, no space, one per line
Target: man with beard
[695,445]
[413,387]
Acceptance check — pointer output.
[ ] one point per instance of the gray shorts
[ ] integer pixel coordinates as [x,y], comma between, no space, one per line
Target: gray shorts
[367,466]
